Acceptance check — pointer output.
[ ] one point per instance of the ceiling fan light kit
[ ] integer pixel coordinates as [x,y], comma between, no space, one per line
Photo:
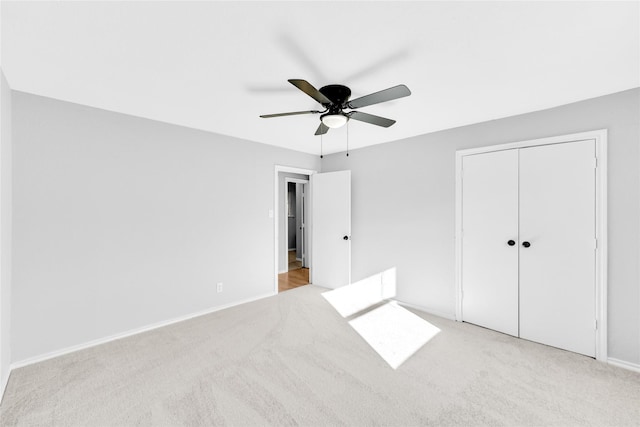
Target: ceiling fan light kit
[334,120]
[335,99]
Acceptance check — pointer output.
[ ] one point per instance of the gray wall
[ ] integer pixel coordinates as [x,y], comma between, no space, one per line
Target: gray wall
[5,231]
[403,205]
[122,222]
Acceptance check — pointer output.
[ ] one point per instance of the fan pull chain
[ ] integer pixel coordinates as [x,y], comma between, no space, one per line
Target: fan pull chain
[347,138]
[321,146]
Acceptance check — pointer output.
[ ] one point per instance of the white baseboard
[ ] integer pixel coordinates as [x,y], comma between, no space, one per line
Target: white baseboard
[442,314]
[3,386]
[622,364]
[93,343]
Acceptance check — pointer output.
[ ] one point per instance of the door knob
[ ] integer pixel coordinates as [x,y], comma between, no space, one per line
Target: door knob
[345,238]
[526,244]
[511,243]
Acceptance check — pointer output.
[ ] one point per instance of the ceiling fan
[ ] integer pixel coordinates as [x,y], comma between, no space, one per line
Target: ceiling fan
[335,100]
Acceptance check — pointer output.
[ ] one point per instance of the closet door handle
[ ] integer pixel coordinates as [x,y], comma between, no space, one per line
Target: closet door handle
[526,244]
[511,243]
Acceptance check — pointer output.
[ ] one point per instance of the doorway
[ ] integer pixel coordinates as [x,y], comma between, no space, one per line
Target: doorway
[293,222]
[326,259]
[296,210]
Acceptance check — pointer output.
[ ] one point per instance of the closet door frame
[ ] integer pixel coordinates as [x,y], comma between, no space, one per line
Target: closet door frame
[600,164]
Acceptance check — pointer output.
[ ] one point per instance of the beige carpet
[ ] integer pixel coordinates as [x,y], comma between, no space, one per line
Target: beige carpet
[293,360]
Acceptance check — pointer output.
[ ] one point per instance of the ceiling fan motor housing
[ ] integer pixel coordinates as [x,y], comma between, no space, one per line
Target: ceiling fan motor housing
[338,94]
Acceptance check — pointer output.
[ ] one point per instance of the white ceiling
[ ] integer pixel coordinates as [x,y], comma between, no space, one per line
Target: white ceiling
[217,66]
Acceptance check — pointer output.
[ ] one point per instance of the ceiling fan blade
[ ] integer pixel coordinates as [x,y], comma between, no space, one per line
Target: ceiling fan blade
[293,113]
[322,129]
[370,118]
[390,94]
[306,87]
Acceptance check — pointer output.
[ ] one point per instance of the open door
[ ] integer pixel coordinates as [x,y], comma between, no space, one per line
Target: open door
[331,232]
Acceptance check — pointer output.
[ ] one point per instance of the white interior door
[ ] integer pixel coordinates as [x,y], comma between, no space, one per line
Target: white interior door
[557,223]
[331,233]
[490,240]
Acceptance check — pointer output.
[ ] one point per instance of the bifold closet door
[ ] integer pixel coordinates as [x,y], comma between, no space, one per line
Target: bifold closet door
[490,240]
[557,245]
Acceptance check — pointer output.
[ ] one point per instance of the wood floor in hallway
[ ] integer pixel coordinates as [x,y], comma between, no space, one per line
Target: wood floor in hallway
[295,277]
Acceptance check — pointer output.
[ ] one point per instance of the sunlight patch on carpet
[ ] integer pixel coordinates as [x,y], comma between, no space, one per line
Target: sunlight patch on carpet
[394,332]
[356,297]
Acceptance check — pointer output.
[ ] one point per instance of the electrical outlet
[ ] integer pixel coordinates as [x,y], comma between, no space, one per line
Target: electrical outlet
[219,287]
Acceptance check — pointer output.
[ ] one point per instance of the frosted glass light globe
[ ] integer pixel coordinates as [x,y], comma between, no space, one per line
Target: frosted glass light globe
[334,120]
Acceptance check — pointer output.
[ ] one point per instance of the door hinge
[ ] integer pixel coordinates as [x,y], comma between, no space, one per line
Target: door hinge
[595,324]
[595,162]
[595,243]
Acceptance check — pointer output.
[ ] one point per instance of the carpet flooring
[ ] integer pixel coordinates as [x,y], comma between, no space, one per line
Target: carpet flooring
[293,360]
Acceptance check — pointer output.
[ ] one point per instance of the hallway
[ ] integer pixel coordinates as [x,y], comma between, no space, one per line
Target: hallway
[295,277]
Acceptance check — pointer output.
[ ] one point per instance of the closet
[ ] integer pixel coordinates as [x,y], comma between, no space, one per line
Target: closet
[528,243]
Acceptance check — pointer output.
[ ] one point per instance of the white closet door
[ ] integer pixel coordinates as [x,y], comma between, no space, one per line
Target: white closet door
[557,270]
[489,222]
